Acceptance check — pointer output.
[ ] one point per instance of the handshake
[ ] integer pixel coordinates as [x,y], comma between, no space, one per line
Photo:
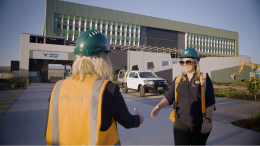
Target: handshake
[154,112]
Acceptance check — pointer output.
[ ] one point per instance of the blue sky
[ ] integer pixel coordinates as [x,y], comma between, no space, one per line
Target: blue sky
[242,16]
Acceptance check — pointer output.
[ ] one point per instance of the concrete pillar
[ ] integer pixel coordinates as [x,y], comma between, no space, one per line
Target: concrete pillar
[45,70]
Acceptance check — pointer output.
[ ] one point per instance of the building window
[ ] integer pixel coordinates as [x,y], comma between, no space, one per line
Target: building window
[65,21]
[76,22]
[70,28]
[118,27]
[59,20]
[123,34]
[108,26]
[113,32]
[104,26]
[135,67]
[75,37]
[88,23]
[59,26]
[150,65]
[71,21]
[108,32]
[123,28]
[64,27]
[76,28]
[82,23]
[99,25]
[165,63]
[64,35]
[114,27]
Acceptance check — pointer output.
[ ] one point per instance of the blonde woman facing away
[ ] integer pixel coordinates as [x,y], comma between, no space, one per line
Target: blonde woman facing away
[193,97]
[85,108]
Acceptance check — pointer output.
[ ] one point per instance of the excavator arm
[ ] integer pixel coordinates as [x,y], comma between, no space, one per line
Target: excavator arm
[240,68]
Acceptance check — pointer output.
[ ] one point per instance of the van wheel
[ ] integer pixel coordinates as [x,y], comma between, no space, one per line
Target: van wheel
[125,90]
[142,91]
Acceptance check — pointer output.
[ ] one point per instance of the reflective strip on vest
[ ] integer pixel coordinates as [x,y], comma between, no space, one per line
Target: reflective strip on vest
[94,100]
[55,114]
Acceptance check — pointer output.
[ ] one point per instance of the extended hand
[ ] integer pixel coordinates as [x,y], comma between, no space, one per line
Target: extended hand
[155,111]
[205,127]
[141,116]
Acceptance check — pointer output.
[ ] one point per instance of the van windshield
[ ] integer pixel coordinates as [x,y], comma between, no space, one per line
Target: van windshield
[147,75]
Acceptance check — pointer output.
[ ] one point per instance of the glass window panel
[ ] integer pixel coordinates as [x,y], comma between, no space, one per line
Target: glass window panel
[64,26]
[59,20]
[65,21]
[59,26]
[165,63]
[150,65]
[76,22]
[70,27]
[82,23]
[70,21]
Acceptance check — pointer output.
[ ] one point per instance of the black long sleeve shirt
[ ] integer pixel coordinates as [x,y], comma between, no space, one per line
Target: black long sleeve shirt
[114,106]
[188,108]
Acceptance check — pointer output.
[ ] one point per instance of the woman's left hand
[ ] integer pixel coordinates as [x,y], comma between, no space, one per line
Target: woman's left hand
[205,126]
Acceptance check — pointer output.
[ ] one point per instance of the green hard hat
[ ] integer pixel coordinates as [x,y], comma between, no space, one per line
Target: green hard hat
[91,42]
[190,53]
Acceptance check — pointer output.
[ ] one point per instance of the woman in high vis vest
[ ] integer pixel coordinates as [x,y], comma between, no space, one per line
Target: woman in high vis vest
[193,97]
[85,108]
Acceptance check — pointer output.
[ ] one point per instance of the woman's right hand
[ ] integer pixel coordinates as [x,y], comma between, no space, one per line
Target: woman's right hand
[141,116]
[155,111]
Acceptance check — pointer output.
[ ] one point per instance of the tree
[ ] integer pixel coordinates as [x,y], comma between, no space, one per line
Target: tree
[123,73]
[152,69]
[253,85]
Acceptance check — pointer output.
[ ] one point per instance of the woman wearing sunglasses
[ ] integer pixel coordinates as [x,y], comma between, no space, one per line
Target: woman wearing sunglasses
[191,127]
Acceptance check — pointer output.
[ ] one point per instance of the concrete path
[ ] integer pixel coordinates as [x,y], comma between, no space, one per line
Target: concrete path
[24,124]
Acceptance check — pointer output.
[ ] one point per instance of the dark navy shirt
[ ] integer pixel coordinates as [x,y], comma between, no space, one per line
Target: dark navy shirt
[189,100]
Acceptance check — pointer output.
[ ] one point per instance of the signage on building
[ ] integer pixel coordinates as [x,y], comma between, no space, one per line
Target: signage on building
[50,55]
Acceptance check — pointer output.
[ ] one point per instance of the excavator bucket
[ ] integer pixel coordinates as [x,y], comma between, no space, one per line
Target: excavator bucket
[233,76]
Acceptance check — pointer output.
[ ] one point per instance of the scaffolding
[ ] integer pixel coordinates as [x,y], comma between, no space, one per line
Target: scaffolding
[175,53]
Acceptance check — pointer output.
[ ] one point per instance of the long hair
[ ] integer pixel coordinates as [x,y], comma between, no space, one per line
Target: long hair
[99,66]
[197,73]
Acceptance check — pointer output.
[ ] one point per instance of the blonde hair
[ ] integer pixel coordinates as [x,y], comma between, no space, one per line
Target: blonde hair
[99,66]
[197,73]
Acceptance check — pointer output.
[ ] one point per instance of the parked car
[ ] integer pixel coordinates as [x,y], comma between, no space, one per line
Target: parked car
[142,81]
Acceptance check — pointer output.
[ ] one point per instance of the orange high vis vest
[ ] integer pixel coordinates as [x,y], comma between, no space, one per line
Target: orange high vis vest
[75,114]
[203,100]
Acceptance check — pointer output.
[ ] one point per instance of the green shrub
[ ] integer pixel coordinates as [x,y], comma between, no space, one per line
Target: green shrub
[253,117]
[19,83]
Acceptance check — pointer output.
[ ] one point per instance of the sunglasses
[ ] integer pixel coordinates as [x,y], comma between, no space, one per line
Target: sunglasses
[188,62]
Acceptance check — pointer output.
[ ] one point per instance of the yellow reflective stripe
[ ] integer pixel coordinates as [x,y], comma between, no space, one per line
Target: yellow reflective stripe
[203,107]
[55,114]
[93,109]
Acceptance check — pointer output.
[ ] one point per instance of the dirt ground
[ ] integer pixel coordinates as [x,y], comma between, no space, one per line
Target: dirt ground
[238,86]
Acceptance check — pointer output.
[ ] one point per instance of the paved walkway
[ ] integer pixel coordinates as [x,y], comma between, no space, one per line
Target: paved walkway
[7,98]
[24,124]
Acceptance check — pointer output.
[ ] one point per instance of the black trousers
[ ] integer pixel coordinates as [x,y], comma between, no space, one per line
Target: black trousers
[188,135]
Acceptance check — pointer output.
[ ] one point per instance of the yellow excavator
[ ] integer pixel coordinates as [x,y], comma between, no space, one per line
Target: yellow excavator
[240,68]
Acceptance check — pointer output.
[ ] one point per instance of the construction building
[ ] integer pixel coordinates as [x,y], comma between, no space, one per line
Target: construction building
[140,42]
